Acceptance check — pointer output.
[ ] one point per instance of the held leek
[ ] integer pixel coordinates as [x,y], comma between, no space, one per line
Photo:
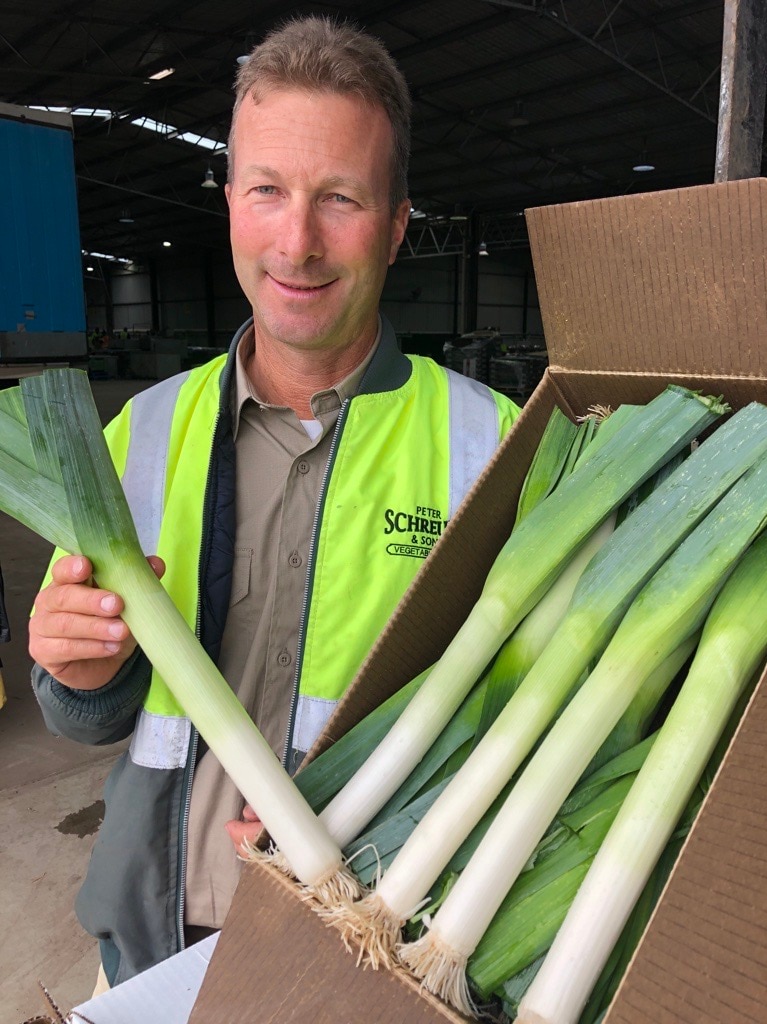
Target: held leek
[66,439]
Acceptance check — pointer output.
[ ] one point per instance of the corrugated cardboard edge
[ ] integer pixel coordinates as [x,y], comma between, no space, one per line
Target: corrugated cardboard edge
[659,280]
[319,979]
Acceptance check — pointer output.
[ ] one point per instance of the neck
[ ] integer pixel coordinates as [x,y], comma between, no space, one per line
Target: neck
[289,377]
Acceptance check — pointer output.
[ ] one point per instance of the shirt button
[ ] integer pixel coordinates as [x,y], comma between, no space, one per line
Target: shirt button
[295,559]
[284,658]
[303,466]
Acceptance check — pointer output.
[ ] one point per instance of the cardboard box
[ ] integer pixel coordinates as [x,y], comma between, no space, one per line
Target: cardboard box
[635,292]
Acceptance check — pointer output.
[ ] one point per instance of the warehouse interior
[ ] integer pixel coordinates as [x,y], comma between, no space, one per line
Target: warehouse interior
[515,105]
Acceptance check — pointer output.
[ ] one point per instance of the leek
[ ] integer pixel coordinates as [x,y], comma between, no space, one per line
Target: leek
[667,610]
[607,586]
[534,555]
[320,779]
[521,931]
[611,976]
[440,759]
[529,640]
[732,647]
[73,465]
[548,462]
[537,903]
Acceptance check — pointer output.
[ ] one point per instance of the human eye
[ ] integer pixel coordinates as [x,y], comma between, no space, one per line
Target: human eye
[339,197]
[264,190]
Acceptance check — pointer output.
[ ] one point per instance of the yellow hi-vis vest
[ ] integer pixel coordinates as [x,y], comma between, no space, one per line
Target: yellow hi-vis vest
[400,464]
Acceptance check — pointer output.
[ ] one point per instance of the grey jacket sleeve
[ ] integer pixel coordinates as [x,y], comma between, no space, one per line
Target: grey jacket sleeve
[95,717]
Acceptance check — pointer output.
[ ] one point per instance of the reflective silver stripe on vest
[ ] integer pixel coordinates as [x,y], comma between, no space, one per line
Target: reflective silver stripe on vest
[160,741]
[474,430]
[312,714]
[145,468]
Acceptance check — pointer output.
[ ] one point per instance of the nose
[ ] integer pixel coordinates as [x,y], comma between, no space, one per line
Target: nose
[300,237]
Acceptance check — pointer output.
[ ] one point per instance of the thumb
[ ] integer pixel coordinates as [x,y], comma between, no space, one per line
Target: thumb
[157,564]
[239,831]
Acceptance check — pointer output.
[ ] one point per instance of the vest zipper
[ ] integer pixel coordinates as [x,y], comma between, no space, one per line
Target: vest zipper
[183,836]
[307,587]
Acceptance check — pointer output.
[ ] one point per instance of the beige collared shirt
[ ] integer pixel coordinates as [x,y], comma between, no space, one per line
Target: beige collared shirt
[280,470]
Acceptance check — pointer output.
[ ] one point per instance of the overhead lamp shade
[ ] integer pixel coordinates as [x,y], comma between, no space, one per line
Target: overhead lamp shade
[209,180]
[482,250]
[125,217]
[643,165]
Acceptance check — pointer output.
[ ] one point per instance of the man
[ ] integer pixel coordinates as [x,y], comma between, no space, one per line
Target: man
[350,458]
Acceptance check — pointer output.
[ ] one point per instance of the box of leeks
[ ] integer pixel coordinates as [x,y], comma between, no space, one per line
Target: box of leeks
[636,292]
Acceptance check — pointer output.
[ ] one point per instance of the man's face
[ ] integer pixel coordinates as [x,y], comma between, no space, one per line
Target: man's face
[311,225]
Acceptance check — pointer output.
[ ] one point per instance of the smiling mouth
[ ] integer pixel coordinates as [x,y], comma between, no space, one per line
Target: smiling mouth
[301,287]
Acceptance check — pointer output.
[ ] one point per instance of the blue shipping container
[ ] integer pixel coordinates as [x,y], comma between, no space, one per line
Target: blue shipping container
[41,283]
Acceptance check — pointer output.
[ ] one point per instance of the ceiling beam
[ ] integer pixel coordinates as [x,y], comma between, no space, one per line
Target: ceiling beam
[536,8]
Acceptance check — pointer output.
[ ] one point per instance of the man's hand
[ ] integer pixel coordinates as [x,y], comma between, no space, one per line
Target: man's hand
[76,632]
[247,828]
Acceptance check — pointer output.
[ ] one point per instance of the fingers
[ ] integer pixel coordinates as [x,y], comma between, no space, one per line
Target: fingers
[248,814]
[78,598]
[76,633]
[242,832]
[157,564]
[71,569]
[98,633]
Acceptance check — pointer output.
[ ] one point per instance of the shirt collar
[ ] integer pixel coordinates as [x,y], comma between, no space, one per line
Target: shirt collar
[322,402]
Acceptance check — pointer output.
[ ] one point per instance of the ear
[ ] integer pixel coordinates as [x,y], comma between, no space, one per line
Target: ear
[228,193]
[398,228]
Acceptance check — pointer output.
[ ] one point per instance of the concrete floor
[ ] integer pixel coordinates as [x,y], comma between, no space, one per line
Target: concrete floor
[50,801]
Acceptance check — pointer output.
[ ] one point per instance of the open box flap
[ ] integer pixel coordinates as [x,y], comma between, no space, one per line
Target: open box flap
[658,282]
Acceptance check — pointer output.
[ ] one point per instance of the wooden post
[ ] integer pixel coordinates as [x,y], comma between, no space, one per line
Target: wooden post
[742,90]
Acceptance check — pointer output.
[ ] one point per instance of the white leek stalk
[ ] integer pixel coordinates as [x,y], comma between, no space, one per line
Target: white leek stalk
[732,647]
[668,609]
[531,637]
[66,441]
[535,554]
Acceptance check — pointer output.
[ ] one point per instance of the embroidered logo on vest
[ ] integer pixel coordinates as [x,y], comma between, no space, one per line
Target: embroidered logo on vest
[418,531]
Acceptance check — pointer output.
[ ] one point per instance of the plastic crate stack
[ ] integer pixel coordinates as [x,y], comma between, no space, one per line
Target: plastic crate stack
[510,363]
[471,354]
[517,373]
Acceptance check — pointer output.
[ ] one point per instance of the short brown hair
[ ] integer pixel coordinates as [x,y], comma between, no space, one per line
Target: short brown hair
[320,55]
